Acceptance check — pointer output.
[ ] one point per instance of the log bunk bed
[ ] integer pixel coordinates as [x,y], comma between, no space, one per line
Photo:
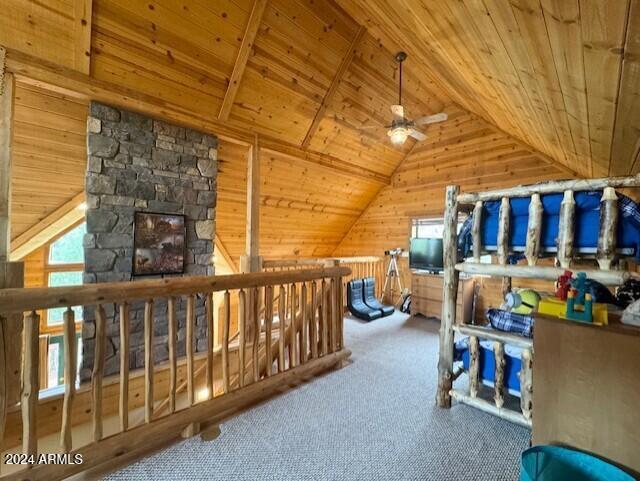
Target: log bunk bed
[565,252]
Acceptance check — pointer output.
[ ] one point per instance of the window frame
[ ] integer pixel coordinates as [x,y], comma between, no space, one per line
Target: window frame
[49,268]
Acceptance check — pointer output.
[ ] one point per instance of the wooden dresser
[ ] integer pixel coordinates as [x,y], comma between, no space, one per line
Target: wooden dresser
[426,295]
[586,388]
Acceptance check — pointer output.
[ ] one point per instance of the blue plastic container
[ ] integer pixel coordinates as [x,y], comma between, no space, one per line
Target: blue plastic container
[555,463]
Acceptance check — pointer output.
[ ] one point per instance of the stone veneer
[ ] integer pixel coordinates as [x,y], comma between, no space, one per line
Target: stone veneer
[139,164]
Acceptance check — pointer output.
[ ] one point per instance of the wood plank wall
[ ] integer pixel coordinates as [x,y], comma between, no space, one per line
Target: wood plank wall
[464,150]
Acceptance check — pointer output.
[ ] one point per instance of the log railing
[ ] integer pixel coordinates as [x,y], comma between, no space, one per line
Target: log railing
[361,267]
[605,257]
[299,334]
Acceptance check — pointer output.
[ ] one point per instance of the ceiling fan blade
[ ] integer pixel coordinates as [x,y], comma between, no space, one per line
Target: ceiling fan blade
[398,112]
[416,134]
[431,119]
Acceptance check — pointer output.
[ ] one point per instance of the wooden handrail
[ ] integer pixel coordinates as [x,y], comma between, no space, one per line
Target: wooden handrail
[315,261]
[26,299]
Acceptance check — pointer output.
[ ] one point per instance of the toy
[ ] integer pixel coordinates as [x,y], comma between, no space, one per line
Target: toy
[563,285]
[523,301]
[579,311]
[579,304]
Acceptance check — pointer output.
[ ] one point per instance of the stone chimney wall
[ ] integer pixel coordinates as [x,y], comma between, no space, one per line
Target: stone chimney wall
[136,164]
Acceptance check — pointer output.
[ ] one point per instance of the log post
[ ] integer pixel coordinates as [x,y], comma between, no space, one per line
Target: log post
[526,386]
[608,228]
[498,352]
[476,231]
[566,227]
[171,344]
[69,336]
[534,227]
[251,261]
[474,366]
[449,294]
[503,241]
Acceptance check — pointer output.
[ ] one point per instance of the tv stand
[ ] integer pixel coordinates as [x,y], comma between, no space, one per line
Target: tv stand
[426,295]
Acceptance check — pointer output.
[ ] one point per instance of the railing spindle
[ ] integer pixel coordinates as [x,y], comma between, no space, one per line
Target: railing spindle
[566,229]
[324,336]
[124,367]
[608,228]
[304,334]
[225,341]
[173,370]
[293,334]
[268,327]
[98,373]
[69,342]
[282,302]
[313,331]
[476,231]
[148,361]
[242,339]
[474,366]
[255,317]
[210,341]
[341,313]
[503,241]
[30,382]
[191,321]
[334,314]
[498,352]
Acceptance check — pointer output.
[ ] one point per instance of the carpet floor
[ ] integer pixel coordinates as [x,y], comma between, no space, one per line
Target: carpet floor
[375,419]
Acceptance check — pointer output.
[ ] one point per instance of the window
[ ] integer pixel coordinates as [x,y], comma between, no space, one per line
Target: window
[64,265]
[433,227]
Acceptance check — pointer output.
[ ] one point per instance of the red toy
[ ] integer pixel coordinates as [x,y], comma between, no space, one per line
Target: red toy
[563,285]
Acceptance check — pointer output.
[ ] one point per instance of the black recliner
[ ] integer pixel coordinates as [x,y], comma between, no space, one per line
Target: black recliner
[355,302]
[370,300]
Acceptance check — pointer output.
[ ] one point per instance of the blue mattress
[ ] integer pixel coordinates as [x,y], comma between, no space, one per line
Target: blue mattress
[512,357]
[586,229]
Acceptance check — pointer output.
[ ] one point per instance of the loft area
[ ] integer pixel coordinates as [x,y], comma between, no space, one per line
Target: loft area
[339,239]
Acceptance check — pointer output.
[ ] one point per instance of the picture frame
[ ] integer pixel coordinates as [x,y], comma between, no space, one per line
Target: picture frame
[159,243]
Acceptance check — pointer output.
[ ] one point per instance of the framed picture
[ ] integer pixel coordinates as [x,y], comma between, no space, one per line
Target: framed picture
[158,244]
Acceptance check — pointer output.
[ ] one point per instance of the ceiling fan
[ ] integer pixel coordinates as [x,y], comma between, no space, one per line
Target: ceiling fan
[401,127]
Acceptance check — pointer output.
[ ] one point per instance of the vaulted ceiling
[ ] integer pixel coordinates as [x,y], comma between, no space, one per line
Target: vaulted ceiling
[561,75]
[307,75]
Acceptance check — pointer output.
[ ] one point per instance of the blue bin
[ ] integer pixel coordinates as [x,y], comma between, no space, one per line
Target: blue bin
[555,463]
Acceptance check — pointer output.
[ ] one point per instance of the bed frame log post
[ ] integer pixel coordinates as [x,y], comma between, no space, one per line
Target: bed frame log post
[608,228]
[474,366]
[566,228]
[534,228]
[498,352]
[475,231]
[449,294]
[503,241]
[526,385]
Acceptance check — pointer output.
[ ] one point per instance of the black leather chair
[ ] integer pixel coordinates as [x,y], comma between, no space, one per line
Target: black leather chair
[370,300]
[355,302]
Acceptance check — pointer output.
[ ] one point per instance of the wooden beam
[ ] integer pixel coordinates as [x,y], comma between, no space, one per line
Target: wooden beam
[7,94]
[333,88]
[42,73]
[251,259]
[52,225]
[243,56]
[222,250]
[82,11]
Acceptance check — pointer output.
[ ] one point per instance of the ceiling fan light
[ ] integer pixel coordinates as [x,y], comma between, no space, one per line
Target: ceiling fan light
[398,135]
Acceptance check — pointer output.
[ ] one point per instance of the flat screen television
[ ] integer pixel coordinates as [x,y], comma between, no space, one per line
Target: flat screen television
[426,254]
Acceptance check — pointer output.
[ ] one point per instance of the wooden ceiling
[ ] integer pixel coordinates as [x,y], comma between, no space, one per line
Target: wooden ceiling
[561,75]
[307,75]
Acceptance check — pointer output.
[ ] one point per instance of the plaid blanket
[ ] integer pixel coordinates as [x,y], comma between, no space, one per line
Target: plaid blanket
[510,322]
